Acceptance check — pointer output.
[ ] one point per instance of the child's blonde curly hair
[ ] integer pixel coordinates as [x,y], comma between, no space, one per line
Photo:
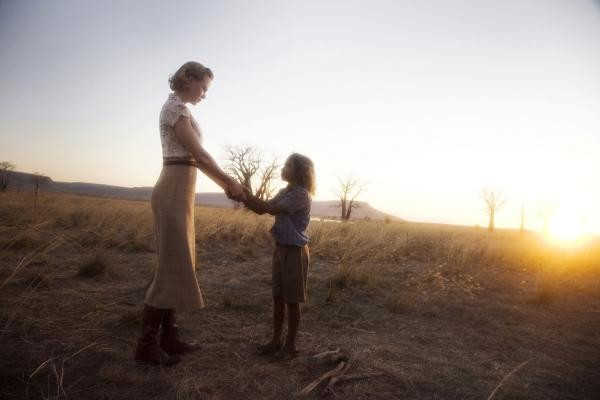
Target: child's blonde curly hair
[303,172]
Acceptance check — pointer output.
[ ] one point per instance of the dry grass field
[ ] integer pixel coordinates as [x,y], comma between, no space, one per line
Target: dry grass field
[421,311]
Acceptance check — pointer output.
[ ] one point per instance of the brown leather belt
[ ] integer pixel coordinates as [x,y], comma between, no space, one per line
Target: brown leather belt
[191,163]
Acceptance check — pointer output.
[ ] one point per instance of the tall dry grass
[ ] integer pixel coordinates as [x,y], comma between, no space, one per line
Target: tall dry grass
[362,250]
[365,273]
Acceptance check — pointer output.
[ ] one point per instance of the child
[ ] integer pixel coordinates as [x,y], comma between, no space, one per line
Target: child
[291,207]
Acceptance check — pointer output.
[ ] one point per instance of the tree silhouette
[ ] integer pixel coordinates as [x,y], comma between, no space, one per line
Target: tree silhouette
[249,167]
[348,191]
[493,202]
[5,167]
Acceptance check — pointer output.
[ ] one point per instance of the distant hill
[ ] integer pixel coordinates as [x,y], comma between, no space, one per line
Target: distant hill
[324,209]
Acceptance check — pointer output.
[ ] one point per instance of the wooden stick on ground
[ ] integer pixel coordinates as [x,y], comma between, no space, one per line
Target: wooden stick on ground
[327,357]
[335,378]
[311,386]
[325,354]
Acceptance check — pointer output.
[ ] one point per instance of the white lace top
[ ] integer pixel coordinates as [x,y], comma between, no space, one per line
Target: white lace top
[174,108]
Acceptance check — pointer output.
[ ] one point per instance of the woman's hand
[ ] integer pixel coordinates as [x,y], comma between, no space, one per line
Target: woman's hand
[236,192]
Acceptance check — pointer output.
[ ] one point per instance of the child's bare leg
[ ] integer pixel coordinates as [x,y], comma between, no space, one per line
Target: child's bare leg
[293,324]
[278,318]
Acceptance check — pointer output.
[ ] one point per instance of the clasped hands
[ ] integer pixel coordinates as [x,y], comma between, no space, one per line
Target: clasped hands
[237,192]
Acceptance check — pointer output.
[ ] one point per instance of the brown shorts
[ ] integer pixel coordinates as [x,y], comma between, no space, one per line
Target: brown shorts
[290,271]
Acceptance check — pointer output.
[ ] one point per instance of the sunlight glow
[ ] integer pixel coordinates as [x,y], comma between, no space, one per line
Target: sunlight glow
[567,228]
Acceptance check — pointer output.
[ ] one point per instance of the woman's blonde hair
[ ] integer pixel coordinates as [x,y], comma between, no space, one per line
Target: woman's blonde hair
[303,172]
[180,80]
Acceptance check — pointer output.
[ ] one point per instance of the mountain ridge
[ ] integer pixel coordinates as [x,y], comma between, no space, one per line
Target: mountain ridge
[329,209]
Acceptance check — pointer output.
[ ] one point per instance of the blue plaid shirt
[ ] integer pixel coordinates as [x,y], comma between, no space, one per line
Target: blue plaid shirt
[291,227]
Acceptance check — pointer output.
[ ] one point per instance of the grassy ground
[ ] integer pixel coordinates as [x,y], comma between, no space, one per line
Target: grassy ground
[439,312]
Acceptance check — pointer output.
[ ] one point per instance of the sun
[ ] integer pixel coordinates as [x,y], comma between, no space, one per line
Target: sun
[567,228]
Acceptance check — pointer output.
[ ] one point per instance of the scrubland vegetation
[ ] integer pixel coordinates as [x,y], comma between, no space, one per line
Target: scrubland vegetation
[420,310]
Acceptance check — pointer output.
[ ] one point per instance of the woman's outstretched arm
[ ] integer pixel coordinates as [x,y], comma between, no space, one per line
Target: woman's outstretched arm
[206,163]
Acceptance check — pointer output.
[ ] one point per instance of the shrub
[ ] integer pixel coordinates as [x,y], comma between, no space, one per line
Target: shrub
[94,266]
[347,275]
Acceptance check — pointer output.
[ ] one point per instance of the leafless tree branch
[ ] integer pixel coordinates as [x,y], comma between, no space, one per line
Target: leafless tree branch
[247,164]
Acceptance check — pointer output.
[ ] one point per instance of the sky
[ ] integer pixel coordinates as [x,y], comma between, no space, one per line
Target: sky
[426,102]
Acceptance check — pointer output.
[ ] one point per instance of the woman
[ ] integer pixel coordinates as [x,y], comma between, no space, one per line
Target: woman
[174,286]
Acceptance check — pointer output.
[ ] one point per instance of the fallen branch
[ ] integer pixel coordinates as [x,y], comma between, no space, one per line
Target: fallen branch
[328,357]
[325,354]
[311,386]
[336,375]
[335,378]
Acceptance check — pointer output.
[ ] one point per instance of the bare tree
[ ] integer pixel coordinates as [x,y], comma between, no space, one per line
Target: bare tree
[5,167]
[266,178]
[38,180]
[249,167]
[242,162]
[493,203]
[348,191]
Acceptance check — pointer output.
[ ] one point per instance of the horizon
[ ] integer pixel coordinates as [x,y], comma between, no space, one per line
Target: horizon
[588,236]
[436,101]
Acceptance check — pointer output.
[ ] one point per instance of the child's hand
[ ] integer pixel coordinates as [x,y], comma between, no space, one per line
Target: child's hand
[236,192]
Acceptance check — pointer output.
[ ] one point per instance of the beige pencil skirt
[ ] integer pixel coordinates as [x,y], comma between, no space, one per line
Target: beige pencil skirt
[174,285]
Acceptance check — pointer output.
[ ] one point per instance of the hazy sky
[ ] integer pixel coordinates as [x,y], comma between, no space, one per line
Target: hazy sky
[427,101]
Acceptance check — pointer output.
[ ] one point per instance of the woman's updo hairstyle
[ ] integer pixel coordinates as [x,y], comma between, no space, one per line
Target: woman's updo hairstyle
[180,80]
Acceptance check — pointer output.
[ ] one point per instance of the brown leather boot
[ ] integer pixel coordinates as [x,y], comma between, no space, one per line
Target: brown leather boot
[148,350]
[169,338]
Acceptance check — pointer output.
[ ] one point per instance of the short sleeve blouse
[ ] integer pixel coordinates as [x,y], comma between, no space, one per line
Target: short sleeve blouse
[174,108]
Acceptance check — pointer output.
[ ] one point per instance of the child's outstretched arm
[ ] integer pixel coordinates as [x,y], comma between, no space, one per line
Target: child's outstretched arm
[260,206]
